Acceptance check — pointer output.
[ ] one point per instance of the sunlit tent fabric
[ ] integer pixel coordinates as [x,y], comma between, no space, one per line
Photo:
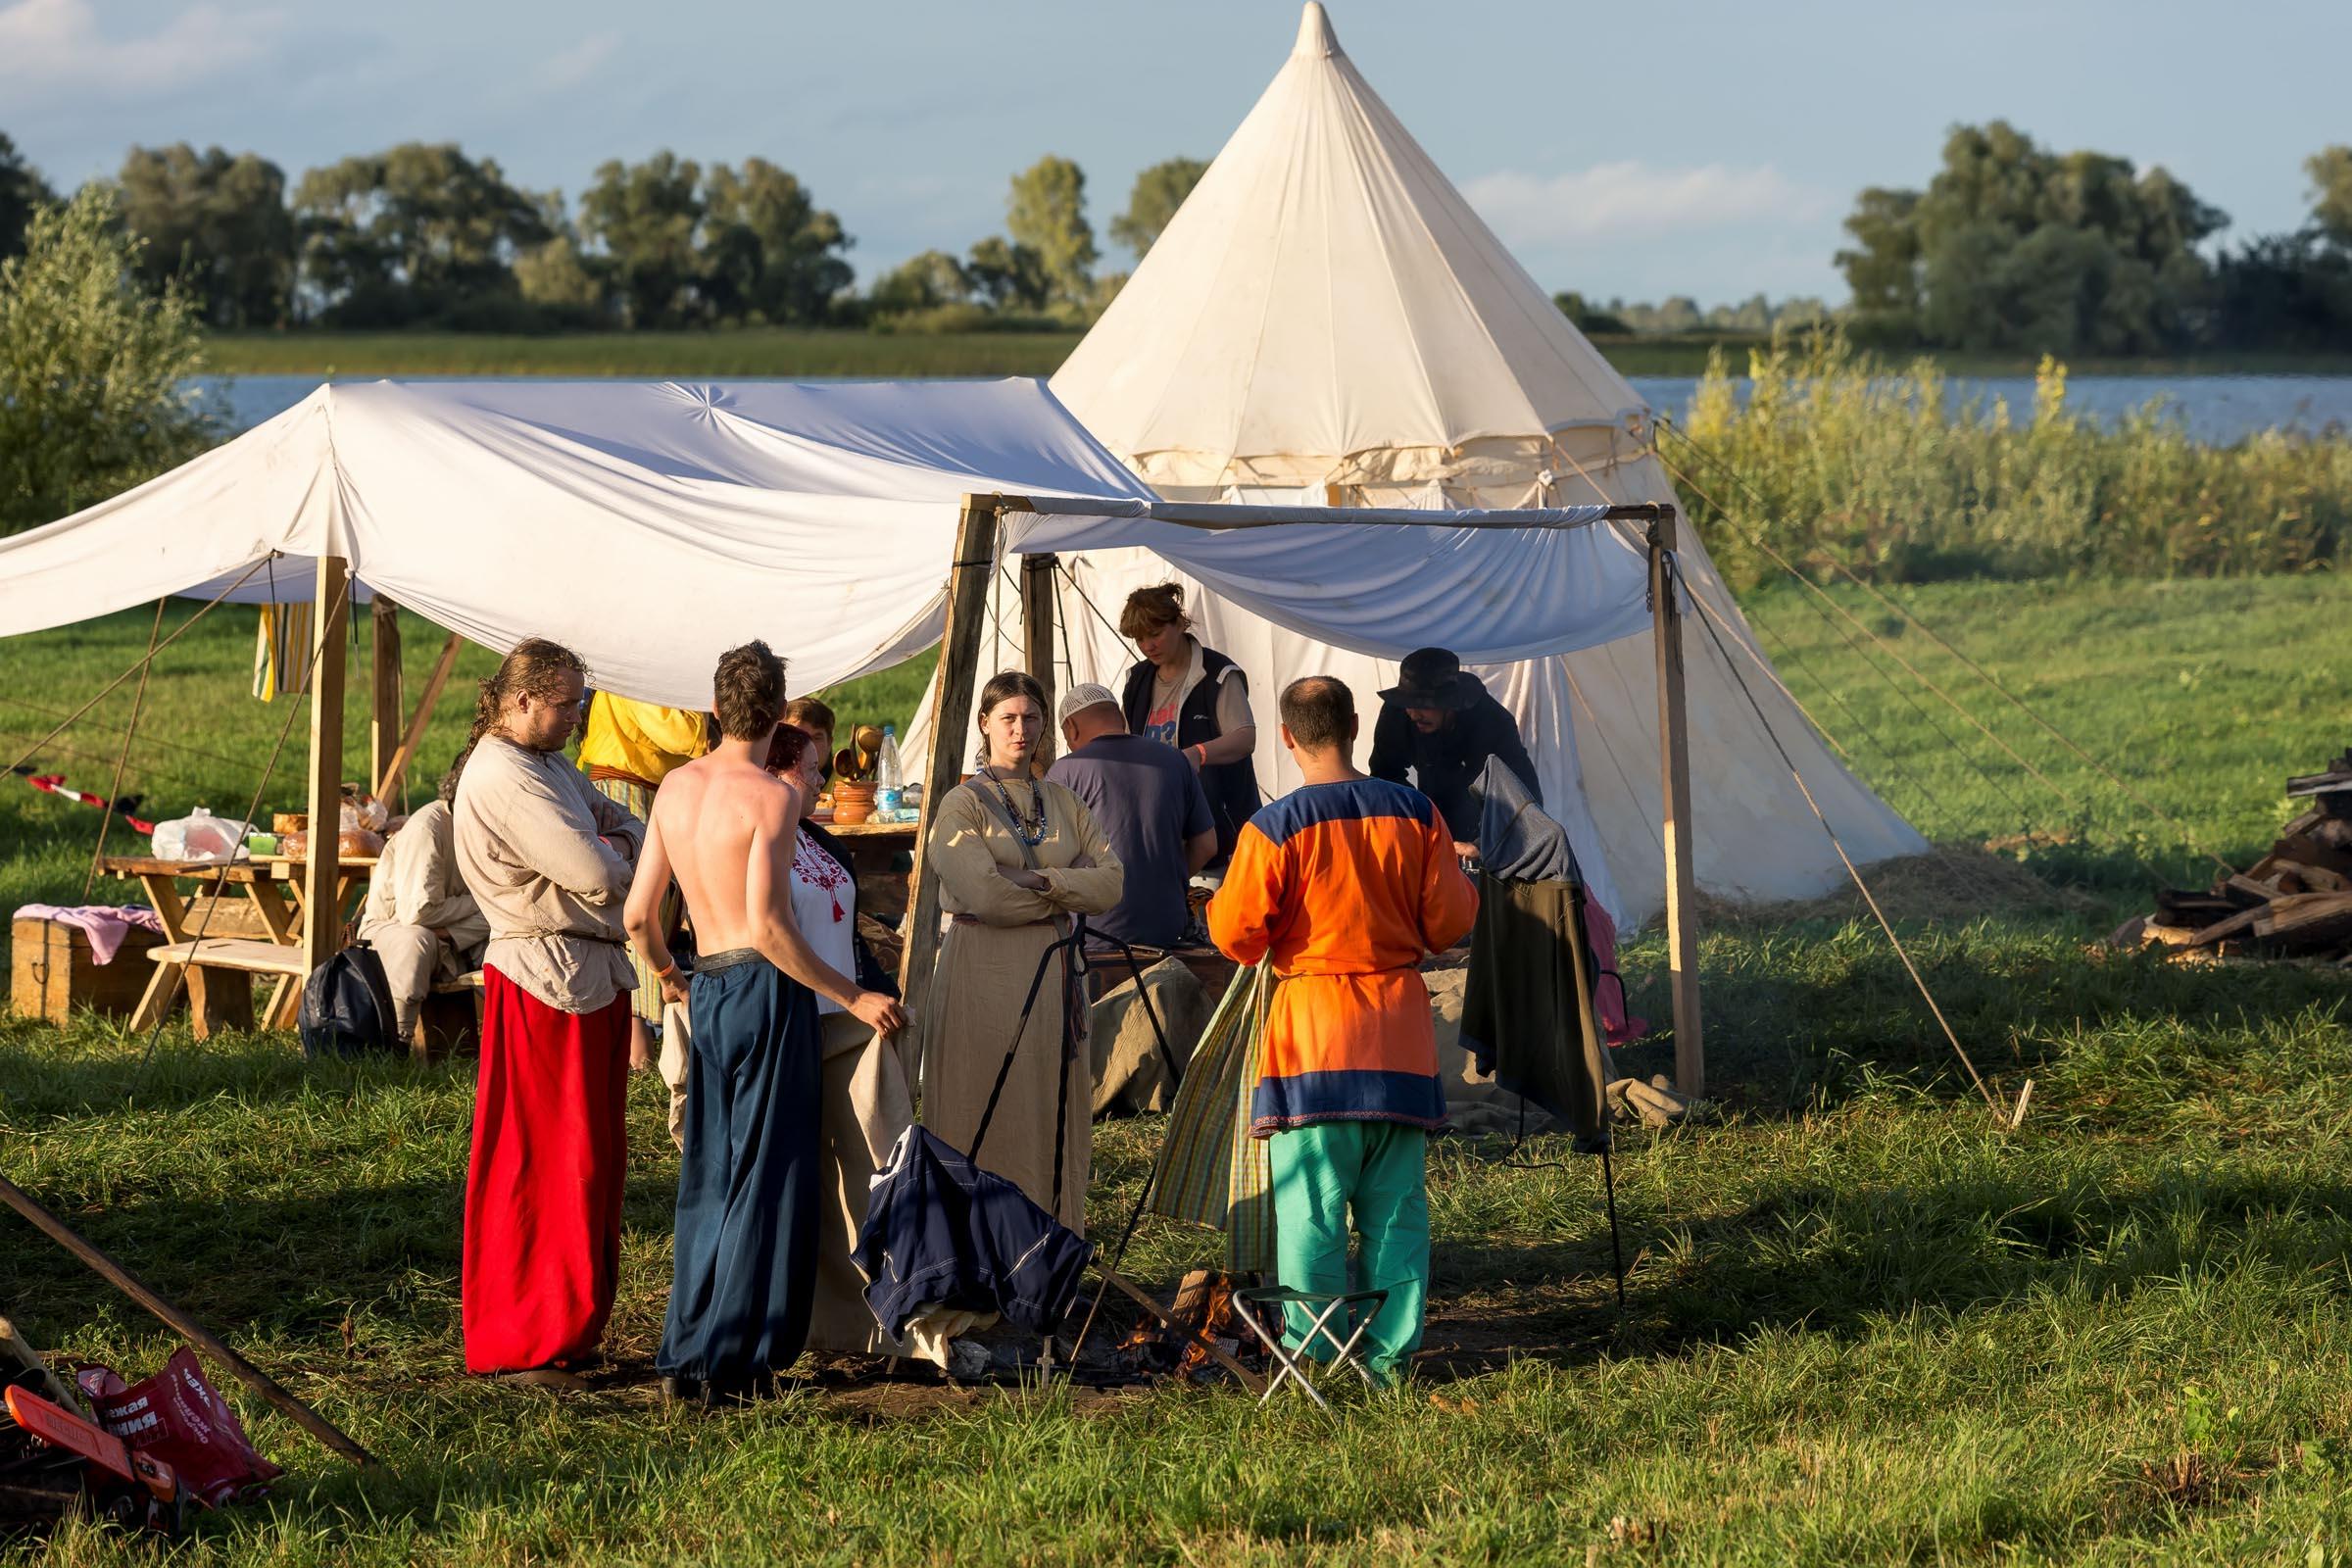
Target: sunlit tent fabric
[649,525]
[1326,318]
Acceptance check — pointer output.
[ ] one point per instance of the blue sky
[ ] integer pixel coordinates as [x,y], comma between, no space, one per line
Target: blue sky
[1705,149]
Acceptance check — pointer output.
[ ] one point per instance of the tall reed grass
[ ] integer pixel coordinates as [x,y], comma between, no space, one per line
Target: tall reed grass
[1842,456]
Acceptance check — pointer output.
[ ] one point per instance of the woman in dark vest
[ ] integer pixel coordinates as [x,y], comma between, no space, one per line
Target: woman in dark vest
[1195,699]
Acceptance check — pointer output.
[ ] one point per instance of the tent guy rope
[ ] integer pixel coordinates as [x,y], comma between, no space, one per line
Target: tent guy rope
[1910,618]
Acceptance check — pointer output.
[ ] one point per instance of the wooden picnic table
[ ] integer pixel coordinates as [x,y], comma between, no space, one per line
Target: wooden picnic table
[219,970]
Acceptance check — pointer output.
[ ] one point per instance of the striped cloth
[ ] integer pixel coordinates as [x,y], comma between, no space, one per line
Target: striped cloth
[1210,1171]
[282,652]
[632,797]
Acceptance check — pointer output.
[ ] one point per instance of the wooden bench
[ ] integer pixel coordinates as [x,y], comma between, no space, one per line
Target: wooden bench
[219,972]
[449,1018]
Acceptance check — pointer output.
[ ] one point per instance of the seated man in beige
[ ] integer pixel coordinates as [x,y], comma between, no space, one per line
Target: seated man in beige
[419,918]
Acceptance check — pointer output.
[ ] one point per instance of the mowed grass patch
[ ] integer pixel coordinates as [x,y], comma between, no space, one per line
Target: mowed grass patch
[1863,1322]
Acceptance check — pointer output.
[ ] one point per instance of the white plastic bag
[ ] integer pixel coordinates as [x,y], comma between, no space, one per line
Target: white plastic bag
[201,836]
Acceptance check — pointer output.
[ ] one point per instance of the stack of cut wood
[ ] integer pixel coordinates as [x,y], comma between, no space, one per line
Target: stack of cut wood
[2295,901]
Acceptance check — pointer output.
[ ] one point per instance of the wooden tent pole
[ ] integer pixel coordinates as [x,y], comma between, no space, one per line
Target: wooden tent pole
[952,699]
[322,903]
[1674,759]
[384,712]
[130,1284]
[397,767]
[1037,634]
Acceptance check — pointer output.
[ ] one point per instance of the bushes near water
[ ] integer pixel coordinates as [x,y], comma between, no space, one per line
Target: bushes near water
[1840,455]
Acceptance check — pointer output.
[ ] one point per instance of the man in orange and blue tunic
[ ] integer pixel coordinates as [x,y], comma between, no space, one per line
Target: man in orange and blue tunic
[1346,884]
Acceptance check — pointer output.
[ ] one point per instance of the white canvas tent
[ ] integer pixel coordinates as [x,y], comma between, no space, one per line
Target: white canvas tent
[651,526]
[1327,320]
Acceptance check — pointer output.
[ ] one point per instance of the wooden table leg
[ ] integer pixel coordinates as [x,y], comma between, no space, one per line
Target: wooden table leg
[155,1002]
[277,917]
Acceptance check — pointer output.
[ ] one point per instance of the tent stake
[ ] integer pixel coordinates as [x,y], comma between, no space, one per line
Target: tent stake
[1674,760]
[130,1284]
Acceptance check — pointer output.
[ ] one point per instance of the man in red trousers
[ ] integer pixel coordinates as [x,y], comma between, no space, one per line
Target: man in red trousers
[549,861]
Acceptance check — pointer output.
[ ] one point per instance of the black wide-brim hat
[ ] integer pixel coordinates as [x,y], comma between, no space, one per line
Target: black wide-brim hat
[1432,677]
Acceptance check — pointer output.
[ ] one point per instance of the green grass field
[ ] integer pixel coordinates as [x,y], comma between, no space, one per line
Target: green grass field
[1863,1324]
[795,351]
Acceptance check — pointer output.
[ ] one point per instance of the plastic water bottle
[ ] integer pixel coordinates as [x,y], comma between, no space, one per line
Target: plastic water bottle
[888,775]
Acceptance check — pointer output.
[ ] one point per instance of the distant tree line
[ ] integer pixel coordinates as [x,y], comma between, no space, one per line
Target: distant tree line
[1683,313]
[2013,247]
[426,235]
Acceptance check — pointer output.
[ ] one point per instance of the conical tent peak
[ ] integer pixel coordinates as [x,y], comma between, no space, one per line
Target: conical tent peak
[1315,36]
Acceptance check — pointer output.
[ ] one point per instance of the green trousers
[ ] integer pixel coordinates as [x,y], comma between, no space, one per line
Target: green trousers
[1375,1170]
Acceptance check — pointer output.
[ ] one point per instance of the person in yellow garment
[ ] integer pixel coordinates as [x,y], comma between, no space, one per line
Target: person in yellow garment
[626,751]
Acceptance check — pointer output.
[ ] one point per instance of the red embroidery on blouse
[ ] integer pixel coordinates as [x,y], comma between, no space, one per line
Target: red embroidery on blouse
[813,865]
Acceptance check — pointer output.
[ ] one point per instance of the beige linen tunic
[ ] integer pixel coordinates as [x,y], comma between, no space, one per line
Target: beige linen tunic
[985,966]
[418,917]
[548,859]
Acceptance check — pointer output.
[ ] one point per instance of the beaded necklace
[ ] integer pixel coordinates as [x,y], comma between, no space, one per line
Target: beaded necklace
[1030,832]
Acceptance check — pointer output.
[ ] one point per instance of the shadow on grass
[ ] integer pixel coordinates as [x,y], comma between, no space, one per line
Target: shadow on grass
[1841,1260]
[280,1268]
[1792,1019]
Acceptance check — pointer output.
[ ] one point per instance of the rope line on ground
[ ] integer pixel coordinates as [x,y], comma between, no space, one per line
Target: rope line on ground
[319,834]
[1970,874]
[206,610]
[1854,871]
[1827,557]
[147,774]
[2024,814]
[1756,537]
[113,791]
[44,711]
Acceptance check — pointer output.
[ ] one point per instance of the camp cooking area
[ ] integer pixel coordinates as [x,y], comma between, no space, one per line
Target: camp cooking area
[1333,408]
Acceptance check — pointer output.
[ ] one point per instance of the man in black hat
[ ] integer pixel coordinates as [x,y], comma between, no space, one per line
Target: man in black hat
[1439,722]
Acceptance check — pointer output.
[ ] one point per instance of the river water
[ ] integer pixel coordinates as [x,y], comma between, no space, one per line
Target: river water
[2218,409]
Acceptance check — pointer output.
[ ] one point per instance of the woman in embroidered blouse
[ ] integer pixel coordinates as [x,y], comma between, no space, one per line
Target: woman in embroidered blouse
[1016,856]
[865,1102]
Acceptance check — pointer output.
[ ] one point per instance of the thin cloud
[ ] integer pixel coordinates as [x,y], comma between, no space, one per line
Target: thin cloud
[52,45]
[574,67]
[1631,200]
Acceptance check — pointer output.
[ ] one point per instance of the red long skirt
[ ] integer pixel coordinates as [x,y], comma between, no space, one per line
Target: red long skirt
[543,1189]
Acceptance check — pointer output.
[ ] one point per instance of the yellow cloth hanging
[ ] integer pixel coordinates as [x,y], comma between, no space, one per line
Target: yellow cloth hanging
[282,652]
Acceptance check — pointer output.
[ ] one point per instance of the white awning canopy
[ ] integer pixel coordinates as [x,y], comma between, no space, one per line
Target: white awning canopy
[651,525]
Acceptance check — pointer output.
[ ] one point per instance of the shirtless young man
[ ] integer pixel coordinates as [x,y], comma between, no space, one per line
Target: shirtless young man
[748,1183]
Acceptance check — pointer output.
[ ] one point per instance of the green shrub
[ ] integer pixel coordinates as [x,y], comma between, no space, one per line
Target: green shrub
[1844,457]
[91,365]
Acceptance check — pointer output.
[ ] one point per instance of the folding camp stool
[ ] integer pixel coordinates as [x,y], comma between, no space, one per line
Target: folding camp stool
[1323,1303]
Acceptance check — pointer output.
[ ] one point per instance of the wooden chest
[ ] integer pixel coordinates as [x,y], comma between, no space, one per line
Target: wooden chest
[52,973]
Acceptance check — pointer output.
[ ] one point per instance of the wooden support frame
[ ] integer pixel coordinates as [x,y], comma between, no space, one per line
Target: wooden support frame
[968,586]
[395,768]
[384,707]
[1037,632]
[1674,763]
[322,903]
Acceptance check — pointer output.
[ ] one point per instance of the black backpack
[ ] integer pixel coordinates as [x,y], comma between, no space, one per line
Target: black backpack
[347,1008]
